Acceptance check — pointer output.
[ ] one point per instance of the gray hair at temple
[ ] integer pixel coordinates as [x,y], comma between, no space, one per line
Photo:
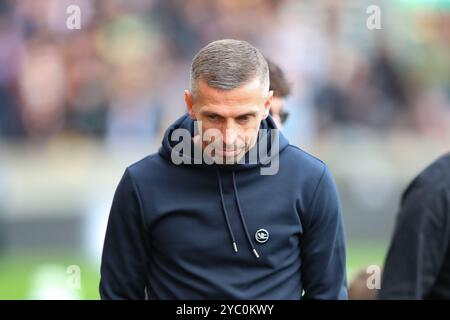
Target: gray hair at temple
[228,64]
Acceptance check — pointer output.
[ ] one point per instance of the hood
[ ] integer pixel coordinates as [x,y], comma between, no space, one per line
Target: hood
[276,142]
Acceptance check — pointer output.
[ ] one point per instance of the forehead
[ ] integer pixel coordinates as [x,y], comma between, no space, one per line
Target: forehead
[248,96]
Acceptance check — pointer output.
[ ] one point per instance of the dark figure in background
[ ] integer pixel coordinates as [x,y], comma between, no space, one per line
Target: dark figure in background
[281,89]
[418,261]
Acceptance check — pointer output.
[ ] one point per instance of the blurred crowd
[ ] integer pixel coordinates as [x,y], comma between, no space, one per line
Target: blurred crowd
[122,75]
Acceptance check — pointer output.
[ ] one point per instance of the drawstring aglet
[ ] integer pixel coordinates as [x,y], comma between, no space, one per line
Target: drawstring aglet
[256,253]
[235,247]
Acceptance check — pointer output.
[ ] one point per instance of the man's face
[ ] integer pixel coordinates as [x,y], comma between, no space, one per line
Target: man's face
[276,109]
[236,114]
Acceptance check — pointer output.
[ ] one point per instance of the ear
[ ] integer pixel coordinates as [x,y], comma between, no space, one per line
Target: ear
[189,100]
[267,104]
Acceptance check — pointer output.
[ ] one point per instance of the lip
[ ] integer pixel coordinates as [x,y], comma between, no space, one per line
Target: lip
[229,153]
[225,153]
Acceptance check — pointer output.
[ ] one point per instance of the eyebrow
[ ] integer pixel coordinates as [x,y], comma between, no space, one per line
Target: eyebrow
[212,113]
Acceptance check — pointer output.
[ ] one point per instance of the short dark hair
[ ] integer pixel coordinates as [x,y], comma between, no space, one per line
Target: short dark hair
[228,64]
[278,82]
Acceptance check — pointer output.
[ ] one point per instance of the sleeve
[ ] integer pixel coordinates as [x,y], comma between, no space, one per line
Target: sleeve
[418,245]
[323,244]
[125,249]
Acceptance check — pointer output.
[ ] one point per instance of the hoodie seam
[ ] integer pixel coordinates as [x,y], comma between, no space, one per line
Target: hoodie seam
[315,193]
[138,197]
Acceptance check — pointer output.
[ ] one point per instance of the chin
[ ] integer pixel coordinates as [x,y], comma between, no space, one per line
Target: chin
[231,159]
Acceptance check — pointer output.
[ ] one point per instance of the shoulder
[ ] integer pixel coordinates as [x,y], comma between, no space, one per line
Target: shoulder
[296,158]
[432,182]
[436,176]
[305,173]
[438,172]
[148,165]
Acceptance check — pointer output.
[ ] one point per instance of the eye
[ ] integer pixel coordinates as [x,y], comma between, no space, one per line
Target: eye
[213,117]
[244,118]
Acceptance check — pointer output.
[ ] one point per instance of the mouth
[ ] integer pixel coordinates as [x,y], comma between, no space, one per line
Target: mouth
[228,153]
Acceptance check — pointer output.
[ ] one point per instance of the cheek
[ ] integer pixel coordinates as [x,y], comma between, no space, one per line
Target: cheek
[275,107]
[250,132]
[206,125]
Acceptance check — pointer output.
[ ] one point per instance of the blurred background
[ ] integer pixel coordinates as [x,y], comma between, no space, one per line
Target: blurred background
[78,106]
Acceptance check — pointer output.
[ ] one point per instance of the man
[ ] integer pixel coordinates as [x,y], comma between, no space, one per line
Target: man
[194,229]
[418,262]
[281,89]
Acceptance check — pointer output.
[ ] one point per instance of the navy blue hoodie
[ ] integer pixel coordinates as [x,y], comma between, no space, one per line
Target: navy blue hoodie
[198,231]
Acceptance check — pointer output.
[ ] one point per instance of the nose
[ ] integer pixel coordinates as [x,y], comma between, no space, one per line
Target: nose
[230,136]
